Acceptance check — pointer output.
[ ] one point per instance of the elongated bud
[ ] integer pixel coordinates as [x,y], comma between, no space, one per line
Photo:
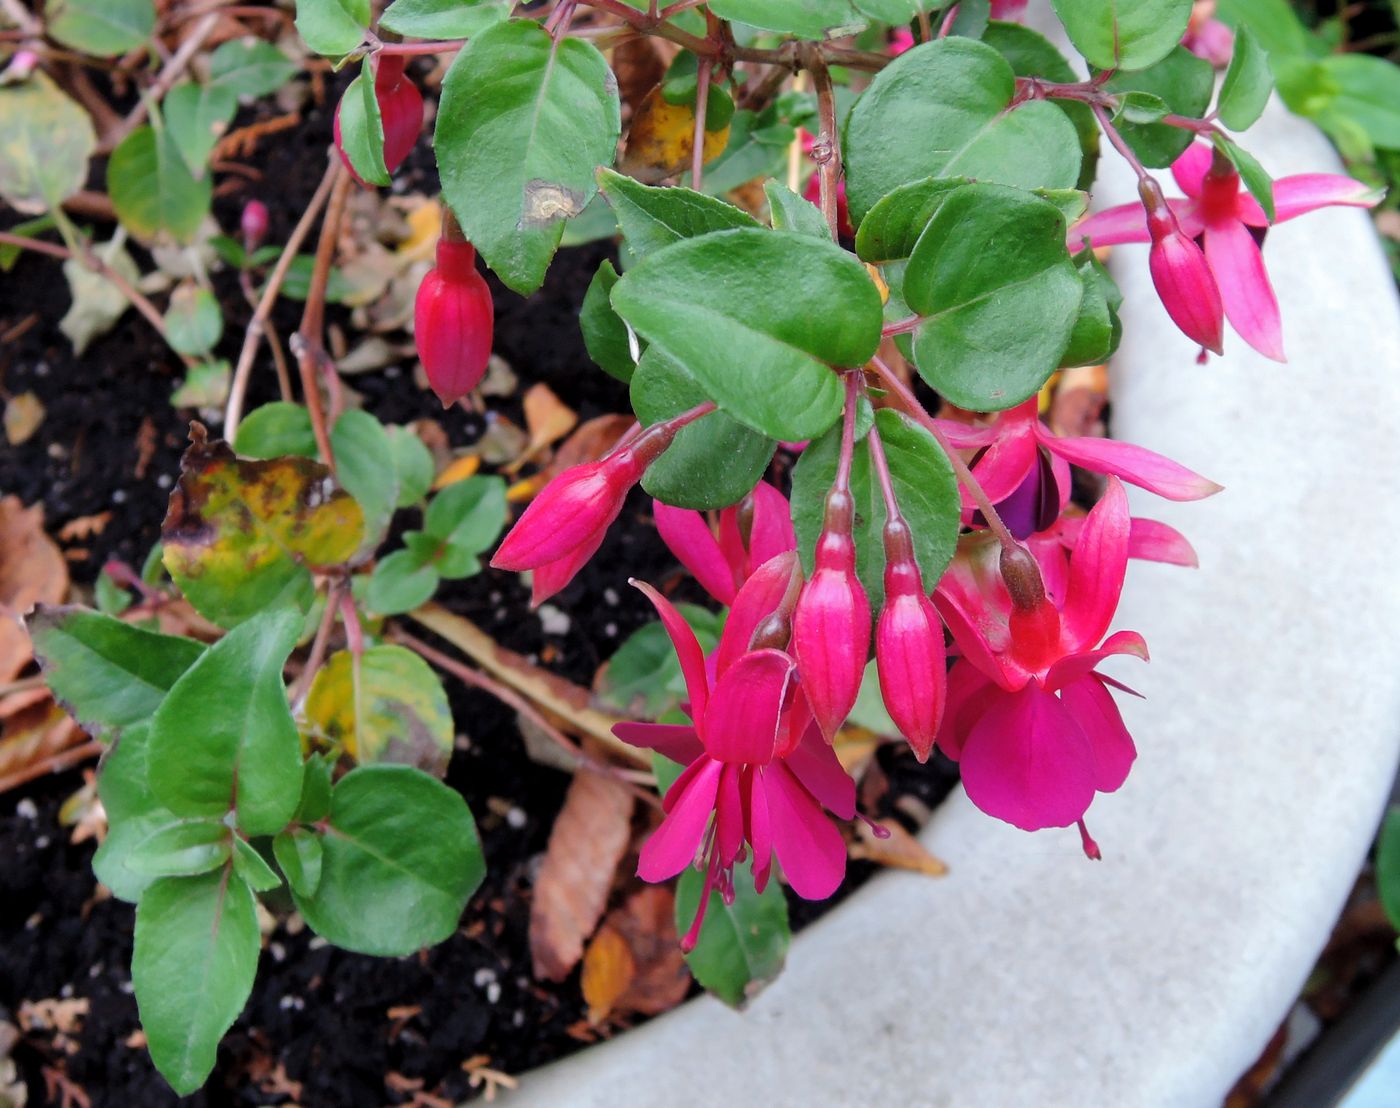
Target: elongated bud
[1181,274]
[1021,573]
[453,318]
[1034,620]
[831,626]
[253,224]
[910,656]
[400,113]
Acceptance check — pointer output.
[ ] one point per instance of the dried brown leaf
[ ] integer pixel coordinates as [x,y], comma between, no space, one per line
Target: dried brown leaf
[608,970]
[589,838]
[548,420]
[32,570]
[639,68]
[32,740]
[590,441]
[84,527]
[23,415]
[900,850]
[647,920]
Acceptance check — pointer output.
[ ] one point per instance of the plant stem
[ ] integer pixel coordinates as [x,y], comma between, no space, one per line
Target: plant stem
[910,403]
[1124,150]
[902,326]
[848,433]
[880,464]
[410,49]
[165,80]
[298,692]
[827,152]
[702,103]
[233,412]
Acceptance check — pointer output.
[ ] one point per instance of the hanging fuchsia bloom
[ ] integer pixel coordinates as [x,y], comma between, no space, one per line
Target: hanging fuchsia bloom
[750,533]
[1227,220]
[1025,466]
[910,658]
[1034,728]
[400,111]
[1009,11]
[758,774]
[453,319]
[1207,37]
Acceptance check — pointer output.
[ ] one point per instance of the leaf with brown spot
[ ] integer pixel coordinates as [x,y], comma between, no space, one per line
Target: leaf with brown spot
[32,571]
[239,535]
[900,850]
[589,838]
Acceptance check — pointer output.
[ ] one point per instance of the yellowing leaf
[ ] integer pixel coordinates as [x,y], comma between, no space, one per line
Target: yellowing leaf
[548,419]
[23,415]
[608,969]
[458,470]
[662,138]
[424,224]
[240,535]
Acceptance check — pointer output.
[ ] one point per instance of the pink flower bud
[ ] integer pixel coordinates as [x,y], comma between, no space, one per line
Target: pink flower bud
[1181,274]
[400,112]
[910,656]
[571,510]
[453,322]
[831,625]
[253,224]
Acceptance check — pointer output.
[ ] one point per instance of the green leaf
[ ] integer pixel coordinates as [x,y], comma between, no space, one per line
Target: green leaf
[193,322]
[108,674]
[1184,83]
[1256,179]
[794,213]
[1124,34]
[361,445]
[523,126]
[182,849]
[681,86]
[252,868]
[1097,328]
[389,708]
[1247,85]
[152,187]
[892,227]
[1388,866]
[742,946]
[249,67]
[400,583]
[315,799]
[467,517]
[298,852]
[413,465]
[758,145]
[362,128]
[223,737]
[196,116]
[1367,95]
[971,18]
[643,678]
[1142,108]
[654,217]
[713,462]
[956,95]
[239,535]
[333,27]
[298,281]
[757,317]
[46,140]
[111,599]
[205,386]
[810,19]
[896,12]
[443,19]
[192,967]
[924,485]
[276,430]
[999,293]
[386,887]
[1274,23]
[133,813]
[104,28]
[604,333]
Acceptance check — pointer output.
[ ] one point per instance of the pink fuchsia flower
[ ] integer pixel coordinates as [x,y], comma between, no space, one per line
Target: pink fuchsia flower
[1023,459]
[1033,727]
[723,555]
[758,775]
[1226,219]
[1207,37]
[911,660]
[1181,274]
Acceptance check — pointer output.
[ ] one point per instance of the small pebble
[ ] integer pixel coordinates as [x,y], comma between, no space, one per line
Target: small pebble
[278,951]
[288,1002]
[42,842]
[483,977]
[119,496]
[611,596]
[33,922]
[554,621]
[610,629]
[493,992]
[163,481]
[516,818]
[27,809]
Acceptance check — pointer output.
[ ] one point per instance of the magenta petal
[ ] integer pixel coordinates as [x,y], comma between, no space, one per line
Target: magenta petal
[1006,464]
[1110,227]
[1027,761]
[672,846]
[1190,169]
[960,610]
[969,693]
[830,640]
[815,764]
[566,513]
[1134,464]
[1096,569]
[966,436]
[758,828]
[675,741]
[1306,192]
[690,539]
[1151,540]
[741,723]
[771,533]
[755,602]
[1068,670]
[729,816]
[687,647]
[808,845]
[549,578]
[1092,707]
[1250,304]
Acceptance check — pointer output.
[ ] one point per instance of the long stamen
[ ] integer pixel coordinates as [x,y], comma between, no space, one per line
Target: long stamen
[1091,848]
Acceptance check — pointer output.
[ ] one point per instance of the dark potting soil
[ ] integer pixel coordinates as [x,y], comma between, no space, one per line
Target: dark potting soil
[345,1029]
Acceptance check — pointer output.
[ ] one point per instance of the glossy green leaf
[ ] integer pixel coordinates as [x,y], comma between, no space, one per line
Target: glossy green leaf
[713,462]
[713,305]
[386,887]
[604,333]
[197,116]
[111,599]
[956,96]
[400,583]
[106,673]
[223,737]
[895,12]
[1388,866]
[1253,175]
[361,448]
[182,849]
[1274,23]
[252,868]
[276,430]
[133,813]
[193,322]
[389,708]
[205,385]
[413,465]
[1184,83]
[443,19]
[333,27]
[45,141]
[1363,91]
[522,128]
[924,485]
[467,516]
[999,293]
[892,227]
[250,67]
[315,799]
[298,852]
[1142,108]
[1096,328]
[757,147]
[104,28]
[1248,83]
[971,18]
[192,967]
[742,946]
[791,212]
[809,19]
[1124,34]
[153,189]
[652,217]
[362,128]
[643,678]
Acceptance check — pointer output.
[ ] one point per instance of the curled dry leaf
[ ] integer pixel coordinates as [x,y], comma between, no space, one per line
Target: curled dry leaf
[32,570]
[608,970]
[589,839]
[548,419]
[901,850]
[23,415]
[659,980]
[33,741]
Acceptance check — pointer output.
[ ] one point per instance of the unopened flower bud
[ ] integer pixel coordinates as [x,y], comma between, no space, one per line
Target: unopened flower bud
[1021,573]
[453,322]
[253,224]
[400,113]
[1181,274]
[910,656]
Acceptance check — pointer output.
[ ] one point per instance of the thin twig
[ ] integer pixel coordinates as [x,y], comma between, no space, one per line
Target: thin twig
[702,101]
[313,318]
[165,79]
[318,645]
[827,152]
[65,759]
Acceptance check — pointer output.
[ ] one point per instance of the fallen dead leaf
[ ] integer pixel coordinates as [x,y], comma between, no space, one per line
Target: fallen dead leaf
[63,1015]
[23,415]
[900,850]
[40,740]
[146,442]
[646,922]
[1077,407]
[592,439]
[32,570]
[502,441]
[548,420]
[84,527]
[608,970]
[589,838]
[457,470]
[424,224]
[480,1073]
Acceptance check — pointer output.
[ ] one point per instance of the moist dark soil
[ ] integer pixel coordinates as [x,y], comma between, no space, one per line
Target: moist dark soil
[343,1030]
